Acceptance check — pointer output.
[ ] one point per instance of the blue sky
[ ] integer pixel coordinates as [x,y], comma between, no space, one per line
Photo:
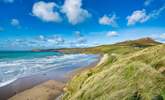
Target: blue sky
[29,24]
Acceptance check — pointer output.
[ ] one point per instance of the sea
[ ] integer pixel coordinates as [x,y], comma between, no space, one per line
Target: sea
[19,64]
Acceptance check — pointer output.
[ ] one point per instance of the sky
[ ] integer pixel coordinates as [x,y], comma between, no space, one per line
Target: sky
[43,24]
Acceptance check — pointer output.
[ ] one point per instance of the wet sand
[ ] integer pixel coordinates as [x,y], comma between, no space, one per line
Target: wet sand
[26,83]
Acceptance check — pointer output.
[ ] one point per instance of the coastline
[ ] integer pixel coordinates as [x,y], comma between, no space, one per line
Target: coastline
[29,83]
[73,73]
[53,89]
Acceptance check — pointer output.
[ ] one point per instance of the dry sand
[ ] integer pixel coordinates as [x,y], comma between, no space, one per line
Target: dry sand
[103,59]
[46,91]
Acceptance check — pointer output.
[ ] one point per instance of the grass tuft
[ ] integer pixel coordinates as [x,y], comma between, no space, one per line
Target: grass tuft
[129,74]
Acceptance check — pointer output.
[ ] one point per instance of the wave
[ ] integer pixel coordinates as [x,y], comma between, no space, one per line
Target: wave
[11,70]
[7,82]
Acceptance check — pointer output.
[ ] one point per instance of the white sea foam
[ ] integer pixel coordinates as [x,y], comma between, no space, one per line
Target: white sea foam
[7,82]
[13,69]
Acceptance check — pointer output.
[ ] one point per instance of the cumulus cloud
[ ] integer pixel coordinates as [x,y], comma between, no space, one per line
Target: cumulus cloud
[158,36]
[80,38]
[112,33]
[41,38]
[108,20]
[141,16]
[137,16]
[15,22]
[39,42]
[42,41]
[156,13]
[78,34]
[45,11]
[52,40]
[74,11]
[55,40]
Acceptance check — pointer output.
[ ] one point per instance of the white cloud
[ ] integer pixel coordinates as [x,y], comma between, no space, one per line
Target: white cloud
[108,20]
[45,11]
[157,12]
[41,38]
[41,41]
[80,39]
[56,39]
[78,34]
[137,16]
[15,22]
[74,11]
[52,40]
[162,36]
[112,33]
[141,16]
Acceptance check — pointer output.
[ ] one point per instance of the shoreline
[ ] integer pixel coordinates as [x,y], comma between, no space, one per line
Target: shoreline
[56,84]
[28,82]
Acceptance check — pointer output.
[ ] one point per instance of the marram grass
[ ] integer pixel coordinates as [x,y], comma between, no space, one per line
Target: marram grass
[133,75]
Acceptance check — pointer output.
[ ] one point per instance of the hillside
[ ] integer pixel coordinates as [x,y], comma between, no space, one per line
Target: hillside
[121,47]
[130,73]
[143,42]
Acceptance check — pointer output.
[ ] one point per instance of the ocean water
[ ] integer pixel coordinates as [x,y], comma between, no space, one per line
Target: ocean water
[18,64]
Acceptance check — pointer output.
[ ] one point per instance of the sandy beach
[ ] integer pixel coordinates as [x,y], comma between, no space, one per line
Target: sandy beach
[45,91]
[29,82]
[47,85]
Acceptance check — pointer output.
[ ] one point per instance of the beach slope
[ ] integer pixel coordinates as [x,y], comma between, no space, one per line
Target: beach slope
[46,91]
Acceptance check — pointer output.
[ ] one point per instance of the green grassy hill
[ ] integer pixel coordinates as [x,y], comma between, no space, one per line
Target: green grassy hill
[132,72]
[121,47]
